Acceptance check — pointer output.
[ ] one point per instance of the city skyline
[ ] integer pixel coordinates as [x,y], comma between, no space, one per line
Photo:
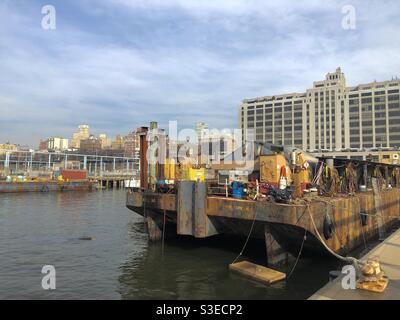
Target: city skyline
[120,63]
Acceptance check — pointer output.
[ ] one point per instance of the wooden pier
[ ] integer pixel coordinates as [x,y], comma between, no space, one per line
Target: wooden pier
[111,182]
[388,255]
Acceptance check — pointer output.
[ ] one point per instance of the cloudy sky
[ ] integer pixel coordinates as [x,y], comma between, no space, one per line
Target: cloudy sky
[117,64]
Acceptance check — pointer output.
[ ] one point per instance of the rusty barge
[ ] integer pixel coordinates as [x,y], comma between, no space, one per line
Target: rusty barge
[339,204]
[283,226]
[66,180]
[48,186]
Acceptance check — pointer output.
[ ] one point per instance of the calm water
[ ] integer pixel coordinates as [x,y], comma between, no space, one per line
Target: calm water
[40,229]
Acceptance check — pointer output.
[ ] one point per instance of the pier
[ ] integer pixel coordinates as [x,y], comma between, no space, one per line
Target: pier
[387,253]
[110,172]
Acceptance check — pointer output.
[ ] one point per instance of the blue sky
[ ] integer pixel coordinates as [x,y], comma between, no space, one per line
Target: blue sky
[117,64]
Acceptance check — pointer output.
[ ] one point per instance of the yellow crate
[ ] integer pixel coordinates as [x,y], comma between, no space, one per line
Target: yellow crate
[196,174]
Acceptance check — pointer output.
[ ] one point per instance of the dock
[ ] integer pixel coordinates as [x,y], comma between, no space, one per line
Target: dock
[387,253]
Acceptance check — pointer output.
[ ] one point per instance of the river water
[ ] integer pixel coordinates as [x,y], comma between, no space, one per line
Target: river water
[38,229]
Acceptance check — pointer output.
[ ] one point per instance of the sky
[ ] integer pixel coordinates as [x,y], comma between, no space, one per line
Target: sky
[118,64]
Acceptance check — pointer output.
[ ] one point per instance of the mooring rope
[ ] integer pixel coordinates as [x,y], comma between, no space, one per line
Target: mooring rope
[298,256]
[163,233]
[355,262]
[247,240]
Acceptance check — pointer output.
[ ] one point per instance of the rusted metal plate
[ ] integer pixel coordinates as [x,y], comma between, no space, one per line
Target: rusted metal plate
[160,201]
[250,210]
[185,208]
[151,200]
[203,226]
[134,199]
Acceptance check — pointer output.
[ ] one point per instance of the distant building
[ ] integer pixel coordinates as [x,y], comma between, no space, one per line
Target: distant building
[118,143]
[43,144]
[201,128]
[131,144]
[215,144]
[57,144]
[91,145]
[82,134]
[4,147]
[330,116]
[153,125]
[105,141]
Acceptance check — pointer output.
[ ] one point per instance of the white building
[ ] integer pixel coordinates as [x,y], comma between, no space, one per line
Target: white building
[57,143]
[105,141]
[328,116]
[214,144]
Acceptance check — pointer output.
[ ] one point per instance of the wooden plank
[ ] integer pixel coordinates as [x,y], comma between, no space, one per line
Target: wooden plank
[256,272]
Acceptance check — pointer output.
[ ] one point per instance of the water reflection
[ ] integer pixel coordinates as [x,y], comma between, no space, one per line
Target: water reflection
[198,269]
[39,229]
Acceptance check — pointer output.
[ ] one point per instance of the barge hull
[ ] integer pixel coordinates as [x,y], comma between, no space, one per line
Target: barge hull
[286,223]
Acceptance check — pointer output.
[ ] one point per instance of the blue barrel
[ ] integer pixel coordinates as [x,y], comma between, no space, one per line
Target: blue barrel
[237,189]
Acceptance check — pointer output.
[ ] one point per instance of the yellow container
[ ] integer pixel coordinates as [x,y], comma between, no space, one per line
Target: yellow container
[169,169]
[196,174]
[183,171]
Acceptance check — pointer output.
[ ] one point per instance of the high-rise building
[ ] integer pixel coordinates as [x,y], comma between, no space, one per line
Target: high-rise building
[328,116]
[201,129]
[81,134]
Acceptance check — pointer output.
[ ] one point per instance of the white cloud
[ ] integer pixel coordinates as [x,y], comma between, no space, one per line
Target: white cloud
[184,60]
